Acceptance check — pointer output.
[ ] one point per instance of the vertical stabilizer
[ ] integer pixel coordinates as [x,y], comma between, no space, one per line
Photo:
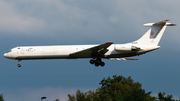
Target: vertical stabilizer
[154,34]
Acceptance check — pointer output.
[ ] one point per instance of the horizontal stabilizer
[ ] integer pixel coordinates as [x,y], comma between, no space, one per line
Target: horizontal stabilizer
[130,59]
[123,59]
[164,22]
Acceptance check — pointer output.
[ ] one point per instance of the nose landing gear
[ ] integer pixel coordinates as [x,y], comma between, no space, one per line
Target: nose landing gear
[97,62]
[19,65]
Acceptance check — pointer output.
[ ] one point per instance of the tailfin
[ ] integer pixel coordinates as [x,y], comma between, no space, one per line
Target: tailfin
[154,34]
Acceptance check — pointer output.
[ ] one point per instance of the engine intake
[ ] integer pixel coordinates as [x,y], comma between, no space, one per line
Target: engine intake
[134,48]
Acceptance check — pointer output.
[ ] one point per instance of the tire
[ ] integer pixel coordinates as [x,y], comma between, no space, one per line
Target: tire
[92,61]
[19,65]
[96,64]
[102,64]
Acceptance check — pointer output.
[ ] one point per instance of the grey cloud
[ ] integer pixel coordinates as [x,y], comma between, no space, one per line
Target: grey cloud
[87,19]
[14,21]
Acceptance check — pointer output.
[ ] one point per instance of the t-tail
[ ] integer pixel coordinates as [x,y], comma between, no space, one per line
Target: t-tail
[154,34]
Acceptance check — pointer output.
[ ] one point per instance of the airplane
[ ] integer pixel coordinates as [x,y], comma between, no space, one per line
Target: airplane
[148,42]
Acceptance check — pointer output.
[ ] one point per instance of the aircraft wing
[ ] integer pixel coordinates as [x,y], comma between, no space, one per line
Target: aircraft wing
[96,51]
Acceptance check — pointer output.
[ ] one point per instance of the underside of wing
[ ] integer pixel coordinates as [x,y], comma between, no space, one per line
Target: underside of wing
[97,51]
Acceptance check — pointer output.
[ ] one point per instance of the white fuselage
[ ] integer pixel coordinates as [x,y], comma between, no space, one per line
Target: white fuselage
[64,51]
[148,42]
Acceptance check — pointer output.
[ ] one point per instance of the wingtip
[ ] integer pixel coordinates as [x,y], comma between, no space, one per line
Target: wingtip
[109,42]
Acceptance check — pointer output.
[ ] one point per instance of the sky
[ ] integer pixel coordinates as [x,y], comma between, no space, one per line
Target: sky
[64,22]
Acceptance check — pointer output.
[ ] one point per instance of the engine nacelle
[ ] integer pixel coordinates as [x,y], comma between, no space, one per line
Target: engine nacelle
[126,48]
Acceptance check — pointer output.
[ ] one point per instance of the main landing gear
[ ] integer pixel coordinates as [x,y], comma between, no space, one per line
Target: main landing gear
[19,65]
[97,62]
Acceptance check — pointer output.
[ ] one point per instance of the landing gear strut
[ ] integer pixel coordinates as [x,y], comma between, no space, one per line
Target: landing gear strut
[97,62]
[19,65]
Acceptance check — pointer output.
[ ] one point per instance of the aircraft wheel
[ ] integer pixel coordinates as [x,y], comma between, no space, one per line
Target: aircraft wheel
[96,64]
[19,65]
[92,61]
[102,64]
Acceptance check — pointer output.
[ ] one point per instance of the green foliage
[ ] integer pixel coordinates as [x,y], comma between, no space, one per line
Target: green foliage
[71,98]
[139,95]
[162,97]
[118,88]
[1,97]
[80,96]
[57,100]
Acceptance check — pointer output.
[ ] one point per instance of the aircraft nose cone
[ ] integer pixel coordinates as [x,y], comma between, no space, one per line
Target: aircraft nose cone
[5,55]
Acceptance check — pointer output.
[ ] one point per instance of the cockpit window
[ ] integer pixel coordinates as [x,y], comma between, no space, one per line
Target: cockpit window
[9,51]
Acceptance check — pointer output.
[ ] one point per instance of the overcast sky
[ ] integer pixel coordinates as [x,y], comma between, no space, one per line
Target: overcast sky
[63,22]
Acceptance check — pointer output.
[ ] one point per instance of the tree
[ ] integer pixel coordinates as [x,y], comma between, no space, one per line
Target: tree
[139,95]
[80,96]
[118,88]
[1,97]
[71,97]
[57,100]
[162,97]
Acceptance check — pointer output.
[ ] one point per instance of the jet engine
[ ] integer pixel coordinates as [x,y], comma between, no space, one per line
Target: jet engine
[126,48]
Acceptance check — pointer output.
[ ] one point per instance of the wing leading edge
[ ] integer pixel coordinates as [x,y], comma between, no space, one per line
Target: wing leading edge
[97,51]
